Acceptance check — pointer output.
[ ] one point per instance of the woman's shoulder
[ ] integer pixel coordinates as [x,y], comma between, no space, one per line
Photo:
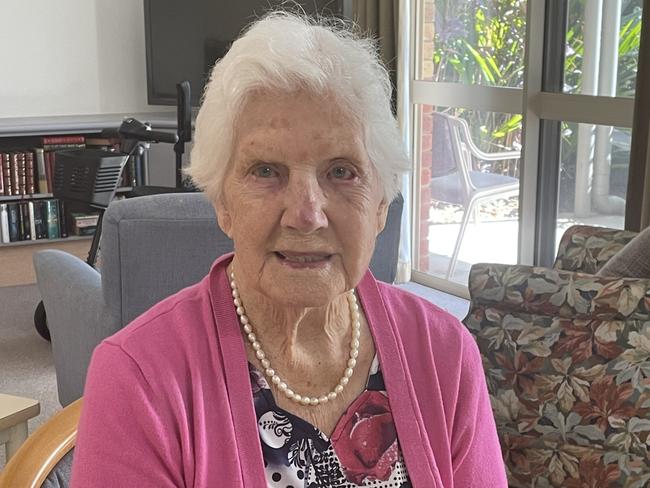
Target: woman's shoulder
[172,327]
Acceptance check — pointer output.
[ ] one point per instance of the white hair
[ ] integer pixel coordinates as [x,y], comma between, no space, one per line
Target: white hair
[286,52]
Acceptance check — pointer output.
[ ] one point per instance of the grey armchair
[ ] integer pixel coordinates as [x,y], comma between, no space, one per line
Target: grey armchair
[151,247]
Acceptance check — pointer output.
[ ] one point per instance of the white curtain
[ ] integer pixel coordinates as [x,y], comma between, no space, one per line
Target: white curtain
[390,22]
[404,264]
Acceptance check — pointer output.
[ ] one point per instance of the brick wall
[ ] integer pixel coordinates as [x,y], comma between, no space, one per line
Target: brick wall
[427,29]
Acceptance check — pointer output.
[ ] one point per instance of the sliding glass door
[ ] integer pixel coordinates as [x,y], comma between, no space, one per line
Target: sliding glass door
[521,113]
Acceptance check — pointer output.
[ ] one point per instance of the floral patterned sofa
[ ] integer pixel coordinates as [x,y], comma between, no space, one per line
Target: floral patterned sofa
[567,359]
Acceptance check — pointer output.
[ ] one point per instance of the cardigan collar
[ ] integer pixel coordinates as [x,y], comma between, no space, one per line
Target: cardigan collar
[408,422]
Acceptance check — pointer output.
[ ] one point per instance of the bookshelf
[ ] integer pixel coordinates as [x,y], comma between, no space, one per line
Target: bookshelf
[46,241]
[36,196]
[23,135]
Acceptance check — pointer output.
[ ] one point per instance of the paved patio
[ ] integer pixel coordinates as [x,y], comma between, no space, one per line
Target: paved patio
[491,241]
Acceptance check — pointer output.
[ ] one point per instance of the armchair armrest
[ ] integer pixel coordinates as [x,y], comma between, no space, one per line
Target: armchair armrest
[517,289]
[557,345]
[586,248]
[37,460]
[77,317]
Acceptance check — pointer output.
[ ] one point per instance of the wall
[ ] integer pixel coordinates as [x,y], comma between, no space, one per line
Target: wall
[69,57]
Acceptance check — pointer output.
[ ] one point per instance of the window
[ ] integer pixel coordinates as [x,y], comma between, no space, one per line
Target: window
[543,95]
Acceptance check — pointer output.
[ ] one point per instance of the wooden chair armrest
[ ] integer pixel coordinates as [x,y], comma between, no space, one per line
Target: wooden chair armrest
[42,450]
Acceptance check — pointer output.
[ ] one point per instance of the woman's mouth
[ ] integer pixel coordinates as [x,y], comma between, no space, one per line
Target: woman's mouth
[303,260]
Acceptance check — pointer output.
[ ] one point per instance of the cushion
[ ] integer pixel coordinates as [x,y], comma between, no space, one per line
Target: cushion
[633,261]
[59,477]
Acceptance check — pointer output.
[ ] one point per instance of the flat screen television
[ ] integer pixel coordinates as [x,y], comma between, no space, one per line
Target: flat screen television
[184,39]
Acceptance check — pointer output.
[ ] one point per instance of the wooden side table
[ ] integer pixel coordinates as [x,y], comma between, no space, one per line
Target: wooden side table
[14,414]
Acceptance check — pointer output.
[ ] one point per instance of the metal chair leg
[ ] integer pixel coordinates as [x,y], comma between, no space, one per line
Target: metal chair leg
[459,240]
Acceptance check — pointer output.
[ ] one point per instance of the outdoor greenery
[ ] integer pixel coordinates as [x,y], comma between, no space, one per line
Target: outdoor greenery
[482,42]
[628,50]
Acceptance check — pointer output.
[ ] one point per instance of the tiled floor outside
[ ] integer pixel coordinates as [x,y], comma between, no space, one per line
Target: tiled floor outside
[491,241]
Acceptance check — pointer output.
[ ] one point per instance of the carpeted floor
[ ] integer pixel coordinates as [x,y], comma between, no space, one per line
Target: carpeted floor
[26,364]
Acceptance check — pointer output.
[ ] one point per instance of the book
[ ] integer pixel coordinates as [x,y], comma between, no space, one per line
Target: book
[32,222]
[85,231]
[40,169]
[13,218]
[15,180]
[47,156]
[30,175]
[84,219]
[4,224]
[52,219]
[5,161]
[52,140]
[63,221]
[84,224]
[39,220]
[21,173]
[25,224]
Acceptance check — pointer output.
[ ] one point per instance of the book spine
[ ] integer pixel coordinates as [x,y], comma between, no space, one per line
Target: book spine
[25,224]
[2,179]
[14,221]
[14,174]
[48,171]
[22,173]
[49,140]
[6,172]
[4,224]
[30,180]
[39,220]
[56,147]
[32,221]
[40,169]
[52,219]
[63,221]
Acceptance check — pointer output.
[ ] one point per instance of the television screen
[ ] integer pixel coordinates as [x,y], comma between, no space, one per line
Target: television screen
[184,39]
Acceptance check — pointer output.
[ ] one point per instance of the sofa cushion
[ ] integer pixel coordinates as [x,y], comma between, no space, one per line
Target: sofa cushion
[633,261]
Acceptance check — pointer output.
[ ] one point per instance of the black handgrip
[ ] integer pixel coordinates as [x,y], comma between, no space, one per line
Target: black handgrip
[134,129]
[158,136]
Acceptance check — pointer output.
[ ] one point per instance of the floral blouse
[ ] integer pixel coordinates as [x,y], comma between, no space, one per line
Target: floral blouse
[363,449]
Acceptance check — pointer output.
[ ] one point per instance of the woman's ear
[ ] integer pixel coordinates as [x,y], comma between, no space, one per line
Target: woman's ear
[382,214]
[224,217]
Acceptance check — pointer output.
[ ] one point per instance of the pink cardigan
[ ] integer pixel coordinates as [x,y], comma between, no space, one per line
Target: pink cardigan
[168,399]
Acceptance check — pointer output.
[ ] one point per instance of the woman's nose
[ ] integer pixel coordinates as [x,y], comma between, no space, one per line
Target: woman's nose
[304,205]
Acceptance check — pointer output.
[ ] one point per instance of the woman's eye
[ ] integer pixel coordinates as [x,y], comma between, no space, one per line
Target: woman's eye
[264,171]
[341,173]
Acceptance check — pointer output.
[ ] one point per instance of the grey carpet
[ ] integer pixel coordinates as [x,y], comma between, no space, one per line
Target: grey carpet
[26,363]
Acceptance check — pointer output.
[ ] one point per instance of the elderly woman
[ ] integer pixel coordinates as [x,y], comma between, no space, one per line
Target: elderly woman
[289,365]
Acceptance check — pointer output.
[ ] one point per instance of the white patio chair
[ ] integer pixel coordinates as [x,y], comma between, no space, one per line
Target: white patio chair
[454,178]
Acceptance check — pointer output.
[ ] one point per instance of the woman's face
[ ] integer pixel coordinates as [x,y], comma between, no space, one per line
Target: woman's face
[301,200]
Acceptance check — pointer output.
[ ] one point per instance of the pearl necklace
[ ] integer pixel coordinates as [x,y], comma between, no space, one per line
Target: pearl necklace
[270,372]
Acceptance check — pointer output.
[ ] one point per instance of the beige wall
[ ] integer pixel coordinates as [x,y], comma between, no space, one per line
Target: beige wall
[72,57]
[16,266]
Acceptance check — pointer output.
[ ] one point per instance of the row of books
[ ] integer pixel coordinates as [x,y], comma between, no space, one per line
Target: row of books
[43,219]
[32,220]
[25,172]
[30,171]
